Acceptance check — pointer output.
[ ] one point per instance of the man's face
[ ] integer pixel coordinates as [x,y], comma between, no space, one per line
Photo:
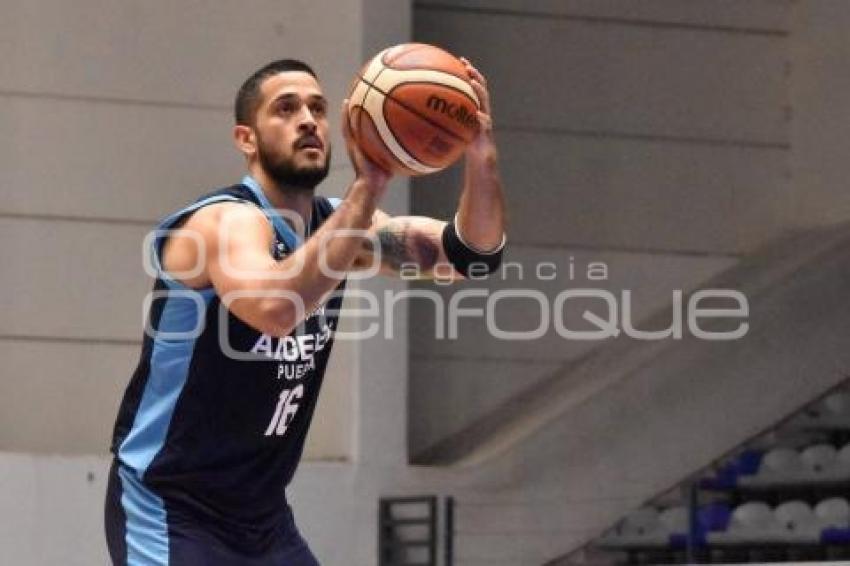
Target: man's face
[291,125]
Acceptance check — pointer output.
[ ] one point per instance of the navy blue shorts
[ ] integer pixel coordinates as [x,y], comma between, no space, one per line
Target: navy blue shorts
[139,534]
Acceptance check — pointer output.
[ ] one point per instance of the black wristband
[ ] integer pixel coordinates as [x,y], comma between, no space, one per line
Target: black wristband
[471,263]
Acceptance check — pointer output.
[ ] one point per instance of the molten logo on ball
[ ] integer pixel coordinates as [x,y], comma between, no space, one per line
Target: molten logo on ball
[453,111]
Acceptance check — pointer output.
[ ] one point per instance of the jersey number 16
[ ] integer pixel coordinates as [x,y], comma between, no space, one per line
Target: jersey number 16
[285,410]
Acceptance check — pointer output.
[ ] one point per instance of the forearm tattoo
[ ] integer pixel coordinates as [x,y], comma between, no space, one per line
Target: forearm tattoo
[403,245]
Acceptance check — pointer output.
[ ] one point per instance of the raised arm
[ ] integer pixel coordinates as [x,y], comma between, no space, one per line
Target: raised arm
[420,247]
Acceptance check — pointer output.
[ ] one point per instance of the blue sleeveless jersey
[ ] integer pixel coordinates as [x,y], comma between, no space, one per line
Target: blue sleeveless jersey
[213,422]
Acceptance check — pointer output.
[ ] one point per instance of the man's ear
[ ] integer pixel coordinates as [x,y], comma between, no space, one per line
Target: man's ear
[245,139]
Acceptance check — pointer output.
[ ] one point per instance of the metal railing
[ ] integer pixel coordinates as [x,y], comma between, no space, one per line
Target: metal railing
[408,531]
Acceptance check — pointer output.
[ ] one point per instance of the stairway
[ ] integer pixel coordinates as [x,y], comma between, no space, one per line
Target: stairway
[564,461]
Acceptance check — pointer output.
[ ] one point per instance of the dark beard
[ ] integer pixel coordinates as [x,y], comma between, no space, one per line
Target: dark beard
[286,175]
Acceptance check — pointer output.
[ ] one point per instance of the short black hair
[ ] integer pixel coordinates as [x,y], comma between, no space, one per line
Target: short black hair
[248,97]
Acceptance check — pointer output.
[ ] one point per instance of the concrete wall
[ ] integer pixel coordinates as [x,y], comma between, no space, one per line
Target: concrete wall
[650,136]
[52,509]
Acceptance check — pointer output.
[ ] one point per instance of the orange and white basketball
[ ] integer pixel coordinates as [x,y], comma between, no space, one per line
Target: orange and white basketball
[412,109]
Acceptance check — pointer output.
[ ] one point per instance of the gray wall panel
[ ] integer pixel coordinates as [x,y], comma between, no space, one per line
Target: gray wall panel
[629,193]
[565,75]
[752,14]
[821,103]
[72,279]
[101,160]
[193,53]
[453,393]
[61,397]
[77,158]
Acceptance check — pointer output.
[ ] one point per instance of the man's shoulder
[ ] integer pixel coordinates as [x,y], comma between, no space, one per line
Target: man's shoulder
[209,206]
[237,191]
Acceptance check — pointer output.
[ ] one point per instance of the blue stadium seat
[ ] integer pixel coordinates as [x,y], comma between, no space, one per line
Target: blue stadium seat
[714,517]
[726,476]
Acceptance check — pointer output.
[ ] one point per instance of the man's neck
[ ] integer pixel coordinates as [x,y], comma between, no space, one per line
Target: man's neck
[282,198]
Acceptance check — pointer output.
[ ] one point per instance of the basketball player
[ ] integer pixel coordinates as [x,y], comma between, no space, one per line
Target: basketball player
[245,305]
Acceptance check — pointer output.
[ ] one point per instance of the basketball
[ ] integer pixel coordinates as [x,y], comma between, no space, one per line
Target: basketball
[412,109]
